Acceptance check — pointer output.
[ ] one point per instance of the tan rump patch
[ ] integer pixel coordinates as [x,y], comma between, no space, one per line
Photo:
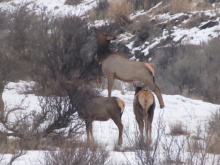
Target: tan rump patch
[146,99]
[121,104]
[151,67]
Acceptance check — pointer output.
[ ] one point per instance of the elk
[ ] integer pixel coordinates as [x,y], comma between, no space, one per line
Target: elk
[102,109]
[144,105]
[115,66]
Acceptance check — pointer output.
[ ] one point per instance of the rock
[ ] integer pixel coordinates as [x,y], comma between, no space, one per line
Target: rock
[138,54]
[208,24]
[142,35]
[136,43]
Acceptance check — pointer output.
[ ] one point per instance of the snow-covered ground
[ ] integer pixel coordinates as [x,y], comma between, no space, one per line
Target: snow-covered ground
[191,113]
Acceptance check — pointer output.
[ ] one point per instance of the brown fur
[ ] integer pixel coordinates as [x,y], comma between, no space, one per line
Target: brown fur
[102,109]
[144,105]
[115,66]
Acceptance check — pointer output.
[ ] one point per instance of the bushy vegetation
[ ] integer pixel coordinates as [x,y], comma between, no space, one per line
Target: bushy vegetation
[187,148]
[72,2]
[74,152]
[214,133]
[191,71]
[58,55]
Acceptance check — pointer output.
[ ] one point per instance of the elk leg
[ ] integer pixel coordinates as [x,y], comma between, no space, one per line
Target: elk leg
[91,133]
[140,125]
[110,84]
[117,121]
[150,117]
[159,96]
[88,129]
[148,129]
[157,92]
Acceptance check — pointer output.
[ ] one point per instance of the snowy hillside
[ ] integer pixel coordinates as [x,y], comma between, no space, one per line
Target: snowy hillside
[203,32]
[55,7]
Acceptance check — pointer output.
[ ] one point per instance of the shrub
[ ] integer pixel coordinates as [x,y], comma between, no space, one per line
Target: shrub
[101,10]
[72,2]
[180,6]
[184,69]
[214,133]
[14,44]
[178,129]
[62,50]
[188,70]
[143,4]
[72,153]
[196,20]
[60,59]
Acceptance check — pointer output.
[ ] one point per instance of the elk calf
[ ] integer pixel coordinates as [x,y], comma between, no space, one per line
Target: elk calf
[115,66]
[102,109]
[144,105]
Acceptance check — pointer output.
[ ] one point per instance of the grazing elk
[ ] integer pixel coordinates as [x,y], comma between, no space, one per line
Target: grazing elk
[115,66]
[102,109]
[144,105]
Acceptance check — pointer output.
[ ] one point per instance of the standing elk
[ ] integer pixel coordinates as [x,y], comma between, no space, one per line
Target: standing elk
[102,109]
[144,105]
[115,66]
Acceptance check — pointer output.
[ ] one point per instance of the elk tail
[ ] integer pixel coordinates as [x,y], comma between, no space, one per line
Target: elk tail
[151,111]
[121,104]
[145,99]
[151,67]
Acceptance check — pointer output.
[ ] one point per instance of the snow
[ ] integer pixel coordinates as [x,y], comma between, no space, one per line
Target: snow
[191,113]
[30,158]
[54,7]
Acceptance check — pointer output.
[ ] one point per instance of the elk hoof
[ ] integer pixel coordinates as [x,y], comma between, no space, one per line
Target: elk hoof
[120,142]
[162,106]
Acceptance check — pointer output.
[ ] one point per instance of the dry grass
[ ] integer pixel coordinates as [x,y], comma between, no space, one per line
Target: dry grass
[180,6]
[195,20]
[214,133]
[161,9]
[119,11]
[178,129]
[183,6]
[72,2]
[194,145]
[77,153]
[100,11]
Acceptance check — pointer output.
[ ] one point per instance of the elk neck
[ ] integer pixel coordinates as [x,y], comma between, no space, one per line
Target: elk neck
[103,50]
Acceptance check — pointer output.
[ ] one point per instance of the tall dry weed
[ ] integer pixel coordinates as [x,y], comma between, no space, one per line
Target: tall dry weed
[119,11]
[180,6]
